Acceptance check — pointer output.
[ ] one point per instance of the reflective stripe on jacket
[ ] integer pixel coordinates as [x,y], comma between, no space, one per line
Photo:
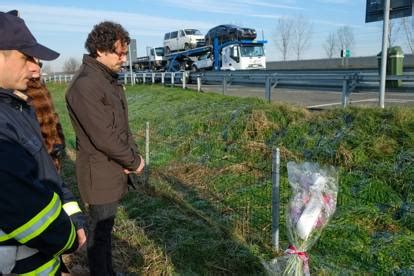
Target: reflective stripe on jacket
[31,214]
[18,124]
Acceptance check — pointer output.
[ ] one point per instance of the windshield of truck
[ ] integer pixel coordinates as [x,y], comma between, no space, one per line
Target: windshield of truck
[251,51]
[159,51]
[192,32]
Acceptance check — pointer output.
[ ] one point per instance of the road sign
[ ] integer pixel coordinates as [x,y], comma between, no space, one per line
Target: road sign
[346,53]
[399,8]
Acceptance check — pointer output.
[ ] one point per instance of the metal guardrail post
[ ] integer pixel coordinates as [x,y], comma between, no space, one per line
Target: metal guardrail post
[198,83]
[144,76]
[184,79]
[224,84]
[162,78]
[153,78]
[172,79]
[275,197]
[125,79]
[147,160]
[268,89]
[132,78]
[345,91]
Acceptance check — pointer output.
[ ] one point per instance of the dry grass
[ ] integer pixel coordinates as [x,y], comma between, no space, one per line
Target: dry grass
[254,147]
[344,156]
[384,145]
[258,126]
[402,116]
[286,154]
[186,197]
[242,168]
[191,174]
[133,253]
[297,114]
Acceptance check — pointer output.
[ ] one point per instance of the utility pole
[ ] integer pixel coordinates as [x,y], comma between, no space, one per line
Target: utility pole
[384,52]
[130,66]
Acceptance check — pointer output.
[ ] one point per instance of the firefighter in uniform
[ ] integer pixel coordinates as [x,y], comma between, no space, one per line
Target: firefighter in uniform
[39,219]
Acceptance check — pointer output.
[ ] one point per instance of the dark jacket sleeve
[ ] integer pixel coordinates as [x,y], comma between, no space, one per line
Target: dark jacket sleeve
[30,212]
[72,208]
[86,103]
[10,133]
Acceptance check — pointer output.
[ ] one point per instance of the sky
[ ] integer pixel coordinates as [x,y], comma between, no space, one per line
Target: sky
[64,25]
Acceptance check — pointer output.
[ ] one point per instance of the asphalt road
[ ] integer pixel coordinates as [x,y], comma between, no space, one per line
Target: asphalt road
[314,97]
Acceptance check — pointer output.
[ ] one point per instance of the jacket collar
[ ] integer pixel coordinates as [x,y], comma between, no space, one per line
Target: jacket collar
[9,96]
[92,62]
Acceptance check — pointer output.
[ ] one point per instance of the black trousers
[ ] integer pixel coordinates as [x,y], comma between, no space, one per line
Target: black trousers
[99,241]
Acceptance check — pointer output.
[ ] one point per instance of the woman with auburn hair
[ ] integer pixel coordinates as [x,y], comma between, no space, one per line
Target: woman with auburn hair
[51,129]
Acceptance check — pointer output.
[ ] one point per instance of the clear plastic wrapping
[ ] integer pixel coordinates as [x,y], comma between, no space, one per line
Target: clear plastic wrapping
[313,202]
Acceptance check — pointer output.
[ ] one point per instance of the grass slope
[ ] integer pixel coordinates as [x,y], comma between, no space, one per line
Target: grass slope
[207,208]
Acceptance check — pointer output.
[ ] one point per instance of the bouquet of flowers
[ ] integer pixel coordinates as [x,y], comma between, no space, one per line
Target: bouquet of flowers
[313,203]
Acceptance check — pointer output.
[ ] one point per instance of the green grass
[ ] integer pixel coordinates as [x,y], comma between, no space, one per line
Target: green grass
[207,210]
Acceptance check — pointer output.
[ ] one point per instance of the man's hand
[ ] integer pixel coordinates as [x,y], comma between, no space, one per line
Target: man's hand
[140,168]
[80,233]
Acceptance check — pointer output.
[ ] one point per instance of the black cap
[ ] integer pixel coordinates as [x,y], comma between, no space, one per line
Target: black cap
[16,36]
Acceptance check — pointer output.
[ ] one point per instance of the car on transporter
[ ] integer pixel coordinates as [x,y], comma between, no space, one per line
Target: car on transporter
[183,39]
[229,32]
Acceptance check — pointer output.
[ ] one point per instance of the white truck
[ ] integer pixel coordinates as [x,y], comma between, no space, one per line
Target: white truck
[238,56]
[154,60]
[232,55]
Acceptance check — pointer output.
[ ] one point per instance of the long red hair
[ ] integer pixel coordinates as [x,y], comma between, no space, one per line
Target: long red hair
[52,132]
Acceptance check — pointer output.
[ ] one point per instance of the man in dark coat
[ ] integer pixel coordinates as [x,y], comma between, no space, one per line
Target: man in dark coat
[106,151]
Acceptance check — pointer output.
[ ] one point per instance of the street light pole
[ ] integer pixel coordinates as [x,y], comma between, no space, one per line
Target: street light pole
[130,65]
[384,52]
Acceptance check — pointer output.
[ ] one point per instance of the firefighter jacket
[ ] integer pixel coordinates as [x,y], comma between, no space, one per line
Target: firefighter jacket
[35,204]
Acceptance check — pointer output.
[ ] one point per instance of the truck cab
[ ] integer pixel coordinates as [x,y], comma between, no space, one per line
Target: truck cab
[156,54]
[243,56]
[154,60]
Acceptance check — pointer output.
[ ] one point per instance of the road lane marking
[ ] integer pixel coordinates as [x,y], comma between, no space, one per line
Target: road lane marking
[361,101]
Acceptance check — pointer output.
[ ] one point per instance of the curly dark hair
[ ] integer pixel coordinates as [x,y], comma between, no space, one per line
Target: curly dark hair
[103,37]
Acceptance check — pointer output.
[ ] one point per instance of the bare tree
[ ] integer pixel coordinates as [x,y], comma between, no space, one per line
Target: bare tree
[330,45]
[47,69]
[345,38]
[283,35]
[301,34]
[71,65]
[393,32]
[408,28]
